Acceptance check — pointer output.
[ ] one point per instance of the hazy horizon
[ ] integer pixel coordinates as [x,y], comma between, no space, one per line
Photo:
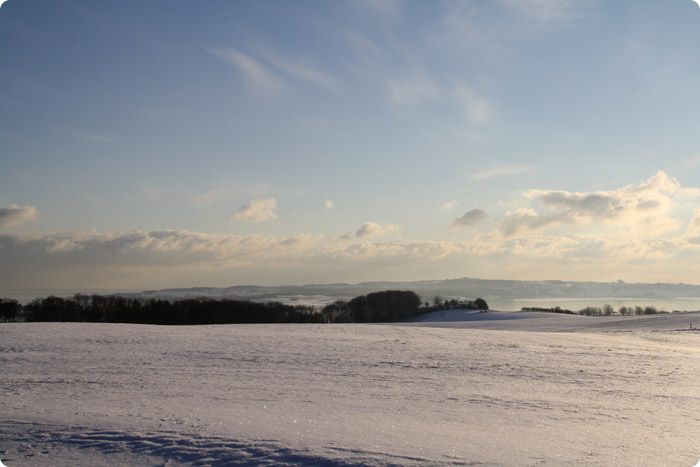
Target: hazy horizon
[503,295]
[152,145]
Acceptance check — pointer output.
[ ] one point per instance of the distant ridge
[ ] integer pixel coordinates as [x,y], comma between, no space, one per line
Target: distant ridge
[465,287]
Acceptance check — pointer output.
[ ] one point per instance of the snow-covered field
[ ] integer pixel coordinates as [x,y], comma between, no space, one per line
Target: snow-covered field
[457,387]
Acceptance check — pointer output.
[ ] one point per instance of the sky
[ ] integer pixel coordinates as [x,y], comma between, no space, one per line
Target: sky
[162,144]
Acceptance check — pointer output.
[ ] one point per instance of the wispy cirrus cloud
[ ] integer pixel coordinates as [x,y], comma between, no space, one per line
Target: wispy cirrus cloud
[258,210]
[258,76]
[90,136]
[476,108]
[261,77]
[481,28]
[410,91]
[558,12]
[17,215]
[390,8]
[302,71]
[502,171]
[419,88]
[367,50]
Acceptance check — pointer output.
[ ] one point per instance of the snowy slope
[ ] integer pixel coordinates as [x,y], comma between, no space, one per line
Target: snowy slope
[557,322]
[405,394]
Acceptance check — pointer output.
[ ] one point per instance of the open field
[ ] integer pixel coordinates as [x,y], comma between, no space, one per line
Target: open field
[462,388]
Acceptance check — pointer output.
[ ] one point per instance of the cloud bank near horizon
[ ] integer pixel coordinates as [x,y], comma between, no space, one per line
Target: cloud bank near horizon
[616,230]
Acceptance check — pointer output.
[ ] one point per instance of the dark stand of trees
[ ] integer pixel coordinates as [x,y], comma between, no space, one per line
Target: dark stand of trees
[439,304]
[392,305]
[9,309]
[116,309]
[556,309]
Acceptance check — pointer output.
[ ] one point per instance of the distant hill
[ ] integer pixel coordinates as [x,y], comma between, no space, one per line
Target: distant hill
[465,288]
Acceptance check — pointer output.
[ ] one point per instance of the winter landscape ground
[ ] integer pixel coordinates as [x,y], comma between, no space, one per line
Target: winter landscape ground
[454,388]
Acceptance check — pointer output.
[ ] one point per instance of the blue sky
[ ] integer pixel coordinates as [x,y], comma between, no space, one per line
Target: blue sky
[170,143]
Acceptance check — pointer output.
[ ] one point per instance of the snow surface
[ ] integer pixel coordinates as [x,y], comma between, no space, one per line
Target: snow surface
[455,388]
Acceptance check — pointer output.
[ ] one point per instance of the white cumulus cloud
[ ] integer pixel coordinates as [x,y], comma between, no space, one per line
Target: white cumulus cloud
[646,205]
[258,210]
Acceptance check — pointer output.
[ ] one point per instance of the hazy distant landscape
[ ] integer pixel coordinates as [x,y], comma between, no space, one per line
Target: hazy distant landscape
[506,295]
[345,303]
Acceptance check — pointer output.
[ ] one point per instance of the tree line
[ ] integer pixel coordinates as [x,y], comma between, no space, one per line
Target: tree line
[117,309]
[556,309]
[605,310]
[608,310]
[390,305]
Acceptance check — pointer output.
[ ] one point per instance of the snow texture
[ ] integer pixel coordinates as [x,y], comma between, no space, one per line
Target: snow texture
[455,388]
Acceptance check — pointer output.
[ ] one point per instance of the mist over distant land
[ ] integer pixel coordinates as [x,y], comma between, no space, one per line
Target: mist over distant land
[498,293]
